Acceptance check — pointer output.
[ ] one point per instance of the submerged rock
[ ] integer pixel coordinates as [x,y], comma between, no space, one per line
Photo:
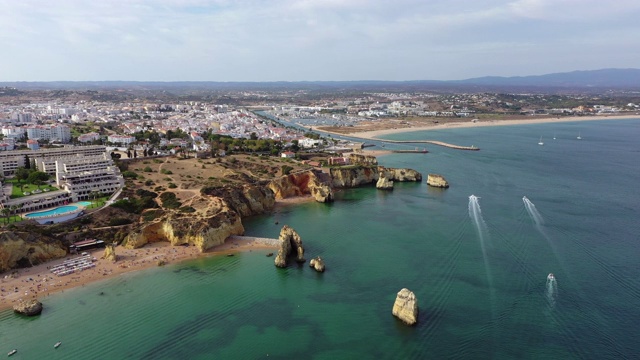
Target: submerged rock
[28,307]
[289,242]
[405,307]
[436,180]
[317,264]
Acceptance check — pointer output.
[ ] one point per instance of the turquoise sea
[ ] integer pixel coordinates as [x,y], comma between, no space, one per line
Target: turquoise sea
[478,268]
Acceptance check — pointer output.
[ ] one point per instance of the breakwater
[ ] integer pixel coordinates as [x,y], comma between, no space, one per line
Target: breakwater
[434,142]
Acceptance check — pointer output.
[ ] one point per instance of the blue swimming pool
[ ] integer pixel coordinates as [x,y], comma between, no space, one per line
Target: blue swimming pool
[84,203]
[55,211]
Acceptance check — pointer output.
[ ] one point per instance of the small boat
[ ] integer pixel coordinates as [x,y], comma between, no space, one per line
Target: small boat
[269,254]
[551,277]
[12,352]
[579,137]
[57,344]
[540,142]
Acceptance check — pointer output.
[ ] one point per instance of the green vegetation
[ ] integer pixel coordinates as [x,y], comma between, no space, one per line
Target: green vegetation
[170,201]
[129,174]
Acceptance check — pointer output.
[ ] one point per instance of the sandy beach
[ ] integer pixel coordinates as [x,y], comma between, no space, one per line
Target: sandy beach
[38,282]
[467,123]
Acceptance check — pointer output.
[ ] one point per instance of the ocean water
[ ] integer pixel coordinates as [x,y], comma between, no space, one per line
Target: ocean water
[478,268]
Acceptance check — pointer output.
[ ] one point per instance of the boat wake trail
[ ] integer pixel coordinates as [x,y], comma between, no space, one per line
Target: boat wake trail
[552,291]
[533,213]
[476,216]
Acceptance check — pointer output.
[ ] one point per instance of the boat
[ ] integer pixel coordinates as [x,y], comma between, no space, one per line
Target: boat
[551,277]
[57,344]
[12,352]
[579,137]
[554,136]
[540,142]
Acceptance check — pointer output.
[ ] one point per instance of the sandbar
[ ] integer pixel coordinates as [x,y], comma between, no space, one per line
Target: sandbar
[468,123]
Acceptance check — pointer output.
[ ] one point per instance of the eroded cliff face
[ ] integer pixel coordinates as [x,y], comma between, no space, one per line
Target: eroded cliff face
[218,215]
[360,159]
[299,184]
[26,249]
[355,176]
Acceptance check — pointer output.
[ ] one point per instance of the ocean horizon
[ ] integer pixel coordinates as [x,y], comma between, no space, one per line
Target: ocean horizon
[478,266]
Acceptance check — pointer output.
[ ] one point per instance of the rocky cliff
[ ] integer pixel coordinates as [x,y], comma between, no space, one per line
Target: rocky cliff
[359,159]
[30,307]
[354,176]
[299,184]
[383,182]
[217,216]
[19,249]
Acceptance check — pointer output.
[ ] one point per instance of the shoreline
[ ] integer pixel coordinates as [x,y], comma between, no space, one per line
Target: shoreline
[38,282]
[374,134]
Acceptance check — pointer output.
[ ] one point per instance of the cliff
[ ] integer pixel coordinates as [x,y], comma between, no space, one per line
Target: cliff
[354,176]
[359,159]
[218,215]
[19,249]
[300,184]
[383,182]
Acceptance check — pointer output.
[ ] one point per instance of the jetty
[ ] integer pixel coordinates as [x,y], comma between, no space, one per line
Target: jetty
[434,142]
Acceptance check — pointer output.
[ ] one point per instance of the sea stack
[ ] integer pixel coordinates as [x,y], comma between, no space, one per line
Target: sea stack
[384,183]
[436,180]
[289,241]
[28,307]
[110,253]
[406,307]
[317,264]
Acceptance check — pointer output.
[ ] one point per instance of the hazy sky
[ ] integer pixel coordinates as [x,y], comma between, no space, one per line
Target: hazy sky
[291,40]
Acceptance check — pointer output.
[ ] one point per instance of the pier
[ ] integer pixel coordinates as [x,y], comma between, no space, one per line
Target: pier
[434,142]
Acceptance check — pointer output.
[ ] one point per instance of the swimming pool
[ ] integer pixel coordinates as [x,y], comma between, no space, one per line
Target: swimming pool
[84,203]
[52,212]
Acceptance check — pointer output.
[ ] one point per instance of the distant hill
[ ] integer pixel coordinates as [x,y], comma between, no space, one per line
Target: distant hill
[616,78]
[575,81]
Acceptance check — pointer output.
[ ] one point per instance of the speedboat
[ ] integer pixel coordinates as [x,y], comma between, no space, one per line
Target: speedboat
[551,277]
[57,344]
[12,352]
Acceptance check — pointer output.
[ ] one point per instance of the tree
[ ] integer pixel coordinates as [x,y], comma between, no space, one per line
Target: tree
[22,174]
[5,214]
[38,178]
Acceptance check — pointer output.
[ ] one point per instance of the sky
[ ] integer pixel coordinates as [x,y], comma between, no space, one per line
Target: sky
[312,40]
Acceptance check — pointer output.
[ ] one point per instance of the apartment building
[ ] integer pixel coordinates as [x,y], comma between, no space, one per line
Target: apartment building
[56,132]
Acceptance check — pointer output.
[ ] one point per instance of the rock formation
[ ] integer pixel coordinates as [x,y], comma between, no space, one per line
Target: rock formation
[290,242]
[402,175]
[353,176]
[218,215]
[317,264]
[20,249]
[405,307]
[359,159]
[299,184]
[110,253]
[30,307]
[383,182]
[436,180]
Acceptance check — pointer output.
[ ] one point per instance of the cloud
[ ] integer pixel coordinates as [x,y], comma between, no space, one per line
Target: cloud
[286,39]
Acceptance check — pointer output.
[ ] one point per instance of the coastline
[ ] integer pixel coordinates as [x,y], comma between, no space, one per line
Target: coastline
[375,134]
[38,282]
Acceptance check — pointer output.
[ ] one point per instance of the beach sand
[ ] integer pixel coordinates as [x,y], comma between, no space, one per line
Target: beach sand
[38,282]
[468,123]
